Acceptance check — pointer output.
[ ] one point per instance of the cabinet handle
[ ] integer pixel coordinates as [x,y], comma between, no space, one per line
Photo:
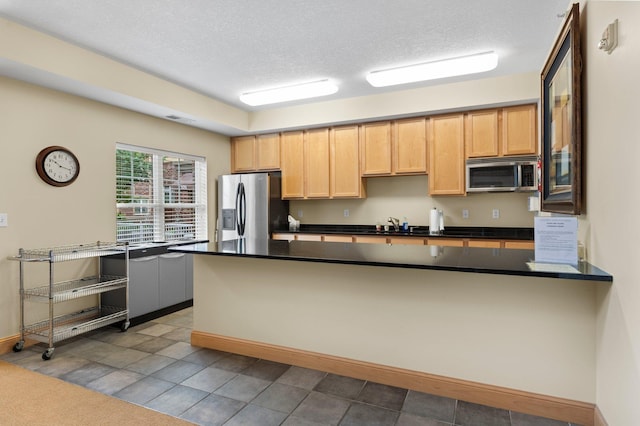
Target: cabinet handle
[171,255]
[143,259]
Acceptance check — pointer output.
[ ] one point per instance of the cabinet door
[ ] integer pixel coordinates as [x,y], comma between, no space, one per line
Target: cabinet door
[243,154]
[484,243]
[338,238]
[345,163]
[528,245]
[268,152]
[143,286]
[448,242]
[284,237]
[519,130]
[316,145]
[410,146]
[481,134]
[446,155]
[370,240]
[375,139]
[292,164]
[172,280]
[309,237]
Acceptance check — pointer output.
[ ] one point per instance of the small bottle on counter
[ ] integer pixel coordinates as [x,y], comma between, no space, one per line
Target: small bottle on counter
[378,227]
[405,225]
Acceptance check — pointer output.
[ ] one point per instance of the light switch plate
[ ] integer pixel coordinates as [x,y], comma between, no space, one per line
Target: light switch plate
[4,220]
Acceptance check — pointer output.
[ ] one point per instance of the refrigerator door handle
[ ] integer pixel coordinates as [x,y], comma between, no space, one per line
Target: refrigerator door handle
[238,208]
[241,208]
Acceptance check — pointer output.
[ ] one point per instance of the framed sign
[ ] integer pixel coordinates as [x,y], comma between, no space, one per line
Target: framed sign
[561,106]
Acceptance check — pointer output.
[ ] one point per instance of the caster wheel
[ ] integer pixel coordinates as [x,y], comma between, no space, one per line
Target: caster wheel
[18,346]
[124,326]
[46,355]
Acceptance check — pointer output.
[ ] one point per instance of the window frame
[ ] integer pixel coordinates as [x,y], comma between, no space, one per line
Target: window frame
[158,205]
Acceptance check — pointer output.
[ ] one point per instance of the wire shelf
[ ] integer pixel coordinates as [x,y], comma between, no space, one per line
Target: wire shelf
[66,326]
[71,252]
[74,289]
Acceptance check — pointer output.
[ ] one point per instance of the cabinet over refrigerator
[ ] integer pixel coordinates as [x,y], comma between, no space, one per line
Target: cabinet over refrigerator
[250,206]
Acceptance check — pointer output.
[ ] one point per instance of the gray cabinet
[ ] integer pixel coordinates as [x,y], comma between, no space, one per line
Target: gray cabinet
[172,283]
[157,280]
[143,295]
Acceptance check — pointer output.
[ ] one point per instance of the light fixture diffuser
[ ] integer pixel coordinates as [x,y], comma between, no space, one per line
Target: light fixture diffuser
[290,93]
[471,64]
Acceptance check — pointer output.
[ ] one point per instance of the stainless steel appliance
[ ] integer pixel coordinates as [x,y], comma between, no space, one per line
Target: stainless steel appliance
[249,206]
[502,174]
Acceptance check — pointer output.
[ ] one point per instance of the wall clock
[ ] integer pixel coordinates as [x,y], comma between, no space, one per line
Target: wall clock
[57,166]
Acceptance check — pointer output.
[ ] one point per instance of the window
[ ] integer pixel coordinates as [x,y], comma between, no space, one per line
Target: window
[160,195]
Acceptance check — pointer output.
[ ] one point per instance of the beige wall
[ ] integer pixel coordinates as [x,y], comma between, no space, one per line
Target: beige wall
[526,333]
[506,90]
[70,67]
[407,196]
[39,215]
[612,150]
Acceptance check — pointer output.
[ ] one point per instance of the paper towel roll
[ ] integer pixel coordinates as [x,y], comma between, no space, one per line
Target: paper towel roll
[434,222]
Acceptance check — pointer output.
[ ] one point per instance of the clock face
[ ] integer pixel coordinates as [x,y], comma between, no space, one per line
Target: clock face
[57,166]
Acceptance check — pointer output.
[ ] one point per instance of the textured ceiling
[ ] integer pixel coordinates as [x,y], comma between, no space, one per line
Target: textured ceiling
[222,48]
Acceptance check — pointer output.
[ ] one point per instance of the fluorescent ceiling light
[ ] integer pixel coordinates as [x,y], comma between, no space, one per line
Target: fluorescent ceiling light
[480,62]
[290,93]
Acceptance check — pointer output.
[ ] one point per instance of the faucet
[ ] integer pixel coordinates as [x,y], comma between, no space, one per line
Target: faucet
[395,222]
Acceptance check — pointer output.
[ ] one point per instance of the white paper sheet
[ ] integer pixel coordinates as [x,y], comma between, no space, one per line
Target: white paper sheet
[556,239]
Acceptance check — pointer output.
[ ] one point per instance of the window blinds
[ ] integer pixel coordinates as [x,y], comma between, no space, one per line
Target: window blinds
[160,196]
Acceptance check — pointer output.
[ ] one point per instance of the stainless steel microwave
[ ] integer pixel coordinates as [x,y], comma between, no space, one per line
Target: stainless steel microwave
[502,174]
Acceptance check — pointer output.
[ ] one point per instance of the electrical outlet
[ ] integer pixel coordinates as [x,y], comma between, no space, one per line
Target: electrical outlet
[465,213]
[496,214]
[4,220]
[346,213]
[300,213]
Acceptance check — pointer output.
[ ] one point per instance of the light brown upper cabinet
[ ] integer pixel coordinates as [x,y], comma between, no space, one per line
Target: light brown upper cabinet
[243,154]
[375,158]
[268,152]
[346,181]
[481,133]
[321,163]
[519,130]
[501,132]
[292,164]
[316,163]
[394,148]
[255,153]
[446,154]
[410,146]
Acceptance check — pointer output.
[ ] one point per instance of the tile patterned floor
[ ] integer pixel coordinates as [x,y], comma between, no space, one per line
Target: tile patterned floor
[153,365]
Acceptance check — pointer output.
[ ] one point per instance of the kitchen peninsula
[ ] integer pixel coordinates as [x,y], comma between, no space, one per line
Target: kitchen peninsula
[470,323]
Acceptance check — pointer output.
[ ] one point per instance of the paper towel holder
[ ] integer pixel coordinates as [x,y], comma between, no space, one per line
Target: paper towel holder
[436,222]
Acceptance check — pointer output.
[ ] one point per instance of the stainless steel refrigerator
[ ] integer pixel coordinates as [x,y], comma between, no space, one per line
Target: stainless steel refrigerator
[249,206]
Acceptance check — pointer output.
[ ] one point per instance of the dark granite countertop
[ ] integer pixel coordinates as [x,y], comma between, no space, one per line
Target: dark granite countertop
[476,260]
[138,250]
[502,233]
